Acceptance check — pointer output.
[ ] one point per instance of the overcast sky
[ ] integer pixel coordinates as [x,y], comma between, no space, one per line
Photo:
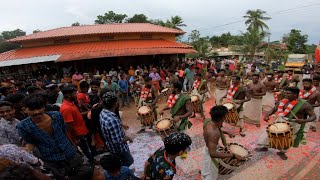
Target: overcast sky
[208,16]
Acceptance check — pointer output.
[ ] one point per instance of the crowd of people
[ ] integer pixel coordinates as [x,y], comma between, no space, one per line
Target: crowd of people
[54,128]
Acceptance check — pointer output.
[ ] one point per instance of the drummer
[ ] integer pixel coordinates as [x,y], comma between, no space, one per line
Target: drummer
[180,106]
[268,100]
[222,83]
[293,79]
[252,71]
[212,133]
[289,107]
[199,89]
[237,94]
[148,97]
[253,108]
[282,84]
[312,95]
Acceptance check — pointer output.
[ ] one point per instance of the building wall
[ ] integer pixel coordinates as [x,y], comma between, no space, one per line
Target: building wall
[95,38]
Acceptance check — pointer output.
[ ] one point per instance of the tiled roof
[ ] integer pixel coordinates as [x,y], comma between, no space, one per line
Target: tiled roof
[98,29]
[91,50]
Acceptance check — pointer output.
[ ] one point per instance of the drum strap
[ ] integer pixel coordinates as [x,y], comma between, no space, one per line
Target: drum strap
[300,133]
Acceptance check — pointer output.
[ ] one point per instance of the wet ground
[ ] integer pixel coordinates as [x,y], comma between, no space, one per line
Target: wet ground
[302,163]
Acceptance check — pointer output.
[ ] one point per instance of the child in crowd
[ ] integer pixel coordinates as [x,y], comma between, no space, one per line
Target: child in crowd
[113,169]
[8,132]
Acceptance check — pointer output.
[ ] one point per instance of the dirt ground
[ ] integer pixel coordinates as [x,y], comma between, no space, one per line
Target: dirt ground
[302,163]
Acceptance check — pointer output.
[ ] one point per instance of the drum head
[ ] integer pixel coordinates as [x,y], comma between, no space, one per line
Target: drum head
[194,98]
[279,127]
[228,106]
[239,150]
[144,109]
[163,124]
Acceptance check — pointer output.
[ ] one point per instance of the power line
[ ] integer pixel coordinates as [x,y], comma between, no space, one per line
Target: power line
[273,13]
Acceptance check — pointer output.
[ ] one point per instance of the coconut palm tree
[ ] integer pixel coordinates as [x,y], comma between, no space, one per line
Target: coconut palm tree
[255,19]
[175,22]
[251,41]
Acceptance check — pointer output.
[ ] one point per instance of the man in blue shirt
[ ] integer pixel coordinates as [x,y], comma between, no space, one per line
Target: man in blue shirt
[47,132]
[123,88]
[111,128]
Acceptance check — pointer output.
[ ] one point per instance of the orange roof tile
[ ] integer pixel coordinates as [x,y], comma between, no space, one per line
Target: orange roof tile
[90,50]
[98,29]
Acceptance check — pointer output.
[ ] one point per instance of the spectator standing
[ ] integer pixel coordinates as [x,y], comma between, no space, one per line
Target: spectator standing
[47,132]
[112,130]
[155,78]
[187,79]
[123,90]
[75,123]
[8,132]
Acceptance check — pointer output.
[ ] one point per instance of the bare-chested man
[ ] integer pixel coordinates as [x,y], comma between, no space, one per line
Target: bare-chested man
[271,87]
[282,84]
[180,106]
[289,108]
[252,71]
[312,95]
[199,89]
[228,71]
[212,133]
[222,83]
[253,108]
[293,79]
[239,95]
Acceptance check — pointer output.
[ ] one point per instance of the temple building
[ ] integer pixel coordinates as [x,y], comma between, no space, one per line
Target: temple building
[94,47]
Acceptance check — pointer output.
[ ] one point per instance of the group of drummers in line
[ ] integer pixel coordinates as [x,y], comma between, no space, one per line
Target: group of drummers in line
[239,97]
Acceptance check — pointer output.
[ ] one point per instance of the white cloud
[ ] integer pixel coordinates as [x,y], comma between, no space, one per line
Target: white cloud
[197,14]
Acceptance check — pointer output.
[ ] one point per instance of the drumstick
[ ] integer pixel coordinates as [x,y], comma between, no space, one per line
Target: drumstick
[161,116]
[294,115]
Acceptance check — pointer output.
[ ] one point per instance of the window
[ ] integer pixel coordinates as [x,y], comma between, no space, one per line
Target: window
[61,41]
[106,38]
[145,36]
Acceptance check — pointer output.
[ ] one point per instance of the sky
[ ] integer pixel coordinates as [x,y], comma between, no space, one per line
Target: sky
[208,16]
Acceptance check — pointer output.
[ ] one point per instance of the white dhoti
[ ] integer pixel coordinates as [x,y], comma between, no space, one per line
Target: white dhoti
[218,94]
[253,110]
[313,123]
[264,139]
[209,171]
[268,101]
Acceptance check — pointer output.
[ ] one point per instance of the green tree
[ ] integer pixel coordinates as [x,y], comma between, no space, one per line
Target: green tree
[311,48]
[138,18]
[110,17]
[251,41]
[201,44]
[12,34]
[296,41]
[175,22]
[36,31]
[255,19]
[6,35]
[75,24]
[157,22]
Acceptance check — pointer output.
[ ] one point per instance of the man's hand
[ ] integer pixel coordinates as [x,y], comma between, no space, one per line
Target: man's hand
[176,119]
[266,118]
[231,135]
[240,158]
[126,127]
[160,112]
[299,121]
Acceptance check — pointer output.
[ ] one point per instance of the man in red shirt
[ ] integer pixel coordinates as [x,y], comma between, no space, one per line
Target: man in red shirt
[75,124]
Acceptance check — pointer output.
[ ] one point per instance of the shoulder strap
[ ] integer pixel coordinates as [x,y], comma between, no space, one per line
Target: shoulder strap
[223,138]
[238,92]
[297,107]
[205,123]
